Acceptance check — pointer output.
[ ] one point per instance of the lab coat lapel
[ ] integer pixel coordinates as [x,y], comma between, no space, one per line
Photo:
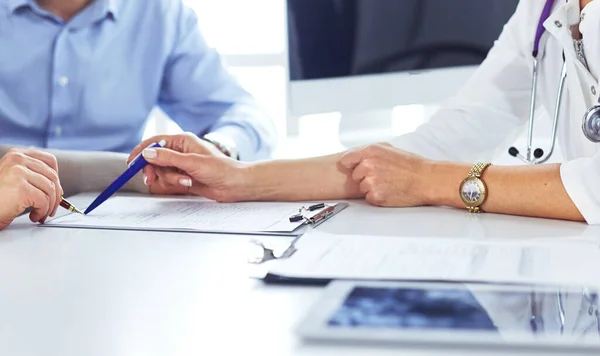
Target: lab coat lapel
[576,99]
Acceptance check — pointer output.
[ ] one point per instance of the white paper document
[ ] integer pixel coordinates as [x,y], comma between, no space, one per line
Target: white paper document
[185,214]
[327,256]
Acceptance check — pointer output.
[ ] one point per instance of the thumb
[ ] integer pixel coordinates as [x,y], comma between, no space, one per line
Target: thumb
[352,158]
[164,157]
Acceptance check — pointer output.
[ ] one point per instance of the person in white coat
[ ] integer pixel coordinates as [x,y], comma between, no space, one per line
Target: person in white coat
[435,164]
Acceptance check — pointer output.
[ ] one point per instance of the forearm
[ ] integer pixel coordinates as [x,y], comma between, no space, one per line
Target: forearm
[319,178]
[90,171]
[535,191]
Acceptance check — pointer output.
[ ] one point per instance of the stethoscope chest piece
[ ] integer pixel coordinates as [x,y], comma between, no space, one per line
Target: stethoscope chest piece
[591,124]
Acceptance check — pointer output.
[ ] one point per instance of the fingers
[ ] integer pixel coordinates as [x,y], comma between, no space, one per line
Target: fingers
[51,183]
[161,187]
[48,158]
[375,198]
[44,164]
[145,144]
[48,188]
[373,194]
[363,170]
[365,186]
[175,142]
[174,177]
[163,157]
[352,158]
[36,198]
[172,182]
[150,175]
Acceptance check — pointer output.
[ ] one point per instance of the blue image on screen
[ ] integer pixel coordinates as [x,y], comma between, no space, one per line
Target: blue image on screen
[412,309]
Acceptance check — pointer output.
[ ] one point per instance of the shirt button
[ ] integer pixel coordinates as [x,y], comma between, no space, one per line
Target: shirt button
[582,16]
[58,130]
[593,90]
[63,81]
[558,24]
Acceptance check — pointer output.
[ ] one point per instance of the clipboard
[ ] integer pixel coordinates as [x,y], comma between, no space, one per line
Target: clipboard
[317,214]
[193,215]
[306,218]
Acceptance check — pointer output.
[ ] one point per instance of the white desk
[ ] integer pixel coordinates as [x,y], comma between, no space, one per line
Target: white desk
[90,292]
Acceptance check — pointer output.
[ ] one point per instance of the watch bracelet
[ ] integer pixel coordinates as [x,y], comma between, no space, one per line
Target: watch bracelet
[478,168]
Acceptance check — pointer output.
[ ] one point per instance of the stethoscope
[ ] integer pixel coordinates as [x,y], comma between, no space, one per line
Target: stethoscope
[591,120]
[536,320]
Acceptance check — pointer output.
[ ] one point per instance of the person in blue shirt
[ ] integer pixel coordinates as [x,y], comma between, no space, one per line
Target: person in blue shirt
[86,74]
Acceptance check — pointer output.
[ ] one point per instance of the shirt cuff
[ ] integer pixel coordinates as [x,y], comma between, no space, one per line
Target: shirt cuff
[245,144]
[579,178]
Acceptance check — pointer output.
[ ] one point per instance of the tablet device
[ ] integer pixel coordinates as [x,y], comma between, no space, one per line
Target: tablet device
[488,315]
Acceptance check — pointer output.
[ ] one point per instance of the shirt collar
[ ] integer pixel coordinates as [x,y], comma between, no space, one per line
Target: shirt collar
[111,7]
[14,5]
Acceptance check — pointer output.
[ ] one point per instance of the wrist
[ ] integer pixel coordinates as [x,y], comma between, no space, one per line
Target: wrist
[244,183]
[254,183]
[442,181]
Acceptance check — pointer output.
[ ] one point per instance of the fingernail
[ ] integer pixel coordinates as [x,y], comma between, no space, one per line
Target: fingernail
[149,153]
[186,182]
[145,180]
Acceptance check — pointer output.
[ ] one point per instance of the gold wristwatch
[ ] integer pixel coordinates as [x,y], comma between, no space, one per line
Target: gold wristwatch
[473,191]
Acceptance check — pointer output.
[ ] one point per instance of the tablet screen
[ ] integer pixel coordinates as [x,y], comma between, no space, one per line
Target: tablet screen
[411,309]
[454,312]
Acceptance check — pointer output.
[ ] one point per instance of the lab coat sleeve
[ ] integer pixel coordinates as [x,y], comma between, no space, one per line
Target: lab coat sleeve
[487,112]
[580,178]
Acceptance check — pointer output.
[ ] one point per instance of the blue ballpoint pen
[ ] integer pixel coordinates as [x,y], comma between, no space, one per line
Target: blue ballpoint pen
[137,164]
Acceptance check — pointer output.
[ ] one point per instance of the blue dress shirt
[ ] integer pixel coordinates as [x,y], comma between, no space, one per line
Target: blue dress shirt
[91,83]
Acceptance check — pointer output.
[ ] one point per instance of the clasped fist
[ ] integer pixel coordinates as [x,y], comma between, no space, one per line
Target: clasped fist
[387,176]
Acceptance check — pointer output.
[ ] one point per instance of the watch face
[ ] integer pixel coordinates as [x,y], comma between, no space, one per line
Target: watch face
[472,191]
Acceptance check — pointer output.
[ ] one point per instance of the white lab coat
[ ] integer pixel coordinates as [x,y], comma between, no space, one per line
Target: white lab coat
[493,107]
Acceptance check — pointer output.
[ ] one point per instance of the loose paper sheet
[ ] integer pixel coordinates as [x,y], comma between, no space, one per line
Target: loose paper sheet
[327,256]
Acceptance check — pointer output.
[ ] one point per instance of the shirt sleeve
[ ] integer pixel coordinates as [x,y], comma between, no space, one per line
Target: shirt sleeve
[488,111]
[201,96]
[90,171]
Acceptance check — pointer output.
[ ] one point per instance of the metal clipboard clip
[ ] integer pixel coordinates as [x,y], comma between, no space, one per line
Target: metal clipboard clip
[316,214]
[313,215]
[270,253]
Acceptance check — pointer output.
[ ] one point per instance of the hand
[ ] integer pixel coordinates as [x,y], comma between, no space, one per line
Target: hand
[28,179]
[388,176]
[154,176]
[186,166]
